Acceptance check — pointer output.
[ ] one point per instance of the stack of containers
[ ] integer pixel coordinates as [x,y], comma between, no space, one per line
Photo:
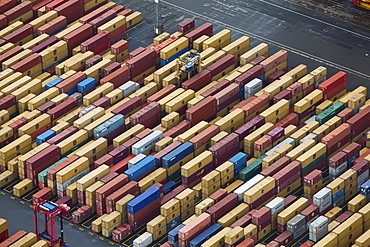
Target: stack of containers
[3,229]
[312,183]
[318,228]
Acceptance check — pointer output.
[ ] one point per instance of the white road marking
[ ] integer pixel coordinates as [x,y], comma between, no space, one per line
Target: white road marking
[263,39]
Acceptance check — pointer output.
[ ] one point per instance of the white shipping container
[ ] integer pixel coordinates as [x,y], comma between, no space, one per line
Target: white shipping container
[339,170]
[129,87]
[286,141]
[323,199]
[247,185]
[318,228]
[147,142]
[296,222]
[276,205]
[252,87]
[309,136]
[310,119]
[62,187]
[143,240]
[135,160]
[86,110]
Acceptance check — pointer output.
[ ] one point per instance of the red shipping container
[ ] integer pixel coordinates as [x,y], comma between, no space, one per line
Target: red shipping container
[72,10]
[131,187]
[121,166]
[251,74]
[136,52]
[76,37]
[263,143]
[9,54]
[337,138]
[109,177]
[93,15]
[295,88]
[63,135]
[337,160]
[141,62]
[102,102]
[95,42]
[204,137]
[312,178]
[121,232]
[359,122]
[273,244]
[64,200]
[144,133]
[14,238]
[161,93]
[2,42]
[19,34]
[53,26]
[117,77]
[284,238]
[49,155]
[17,124]
[255,105]
[198,81]
[7,102]
[172,194]
[221,65]
[6,5]
[308,243]
[45,107]
[54,4]
[285,94]
[18,11]
[248,242]
[269,195]
[162,45]
[243,221]
[222,207]
[178,129]
[148,116]
[118,153]
[205,29]
[167,244]
[102,19]
[71,82]
[287,175]
[51,174]
[27,63]
[63,108]
[42,195]
[216,88]
[81,214]
[128,106]
[308,90]
[218,195]
[276,134]
[146,214]
[344,216]
[260,216]
[311,212]
[204,110]
[196,178]
[292,118]
[257,60]
[126,12]
[274,60]
[346,114]
[103,192]
[337,80]
[186,26]
[249,127]
[111,68]
[289,200]
[118,8]
[243,103]
[119,47]
[195,227]
[225,149]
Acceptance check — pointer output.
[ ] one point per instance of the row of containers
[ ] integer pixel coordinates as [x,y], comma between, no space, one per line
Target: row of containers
[117,137]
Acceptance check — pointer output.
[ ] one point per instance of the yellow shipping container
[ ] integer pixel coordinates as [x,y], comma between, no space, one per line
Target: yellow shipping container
[115,96]
[307,80]
[218,137]
[364,239]
[214,57]
[36,41]
[54,53]
[319,73]
[163,143]
[180,101]
[336,185]
[323,106]
[111,220]
[357,203]
[195,101]
[258,133]
[198,43]
[127,135]
[170,120]
[60,98]
[22,187]
[170,207]
[95,123]
[35,124]
[193,131]
[238,47]
[277,86]
[156,176]
[217,240]
[311,155]
[72,170]
[41,243]
[73,141]
[113,24]
[160,38]
[7,176]
[28,240]
[259,189]
[121,204]
[4,116]
[90,193]
[94,151]
[186,198]
[356,100]
[32,87]
[298,72]
[250,231]
[173,48]
[291,211]
[10,28]
[330,240]
[145,92]
[16,58]
[280,66]
[349,177]
[97,71]
[16,85]
[333,213]
[231,121]
[233,215]
[96,225]
[349,226]
[219,40]
[257,51]
[203,206]
[78,61]
[234,235]
[89,118]
[169,97]
[6,73]
[10,79]
[308,101]
[196,164]
[98,93]
[133,19]
[164,71]
[344,99]
[42,20]
[90,178]
[42,98]
[278,111]
[207,53]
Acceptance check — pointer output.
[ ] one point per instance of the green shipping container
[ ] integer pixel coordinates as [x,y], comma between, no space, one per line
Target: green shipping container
[330,112]
[252,170]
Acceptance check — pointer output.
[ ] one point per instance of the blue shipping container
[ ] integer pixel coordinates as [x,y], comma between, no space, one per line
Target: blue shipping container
[163,62]
[144,199]
[173,236]
[168,187]
[110,125]
[72,91]
[240,161]
[299,231]
[45,136]
[177,154]
[205,235]
[350,160]
[173,223]
[140,168]
[53,83]
[86,85]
